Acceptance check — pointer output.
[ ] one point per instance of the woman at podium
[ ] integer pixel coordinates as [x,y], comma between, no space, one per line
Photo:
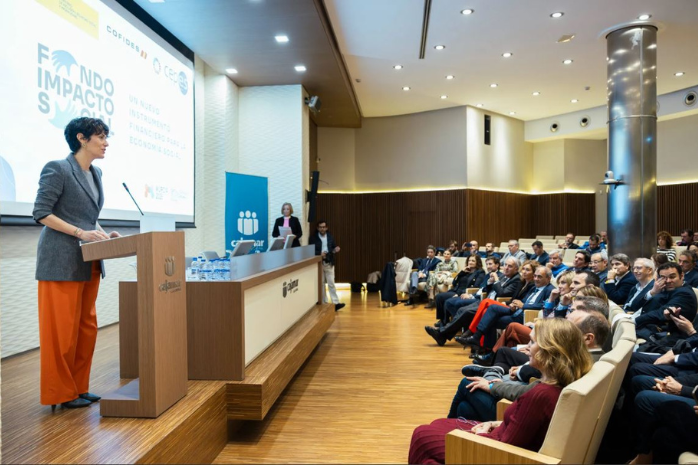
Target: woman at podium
[287,224]
[68,203]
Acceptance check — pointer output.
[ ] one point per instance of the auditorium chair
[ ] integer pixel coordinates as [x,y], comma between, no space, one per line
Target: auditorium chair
[569,434]
[545,238]
[624,329]
[688,457]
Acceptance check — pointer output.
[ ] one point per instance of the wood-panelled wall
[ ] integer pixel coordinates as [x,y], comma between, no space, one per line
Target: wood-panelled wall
[373,229]
[677,207]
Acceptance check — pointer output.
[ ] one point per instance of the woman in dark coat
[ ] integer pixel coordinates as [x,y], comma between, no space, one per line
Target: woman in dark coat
[288,221]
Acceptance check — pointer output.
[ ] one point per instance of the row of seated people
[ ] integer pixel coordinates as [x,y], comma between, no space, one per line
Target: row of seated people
[663,308]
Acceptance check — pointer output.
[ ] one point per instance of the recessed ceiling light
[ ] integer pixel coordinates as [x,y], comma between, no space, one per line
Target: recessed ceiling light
[231,71]
[479,105]
[557,14]
[574,100]
[679,74]
[397,67]
[512,113]
[507,54]
[300,68]
[467,11]
[450,76]
[406,88]
[644,17]
[493,85]
[440,47]
[444,97]
[536,94]
[567,62]
[281,39]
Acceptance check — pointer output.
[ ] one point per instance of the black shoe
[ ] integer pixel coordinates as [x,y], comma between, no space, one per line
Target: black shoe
[473,341]
[436,334]
[409,301]
[339,306]
[90,397]
[76,403]
[485,360]
[474,370]
[431,304]
[438,324]
[466,334]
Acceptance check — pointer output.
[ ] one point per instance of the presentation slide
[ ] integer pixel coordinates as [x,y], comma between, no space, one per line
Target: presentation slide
[62,59]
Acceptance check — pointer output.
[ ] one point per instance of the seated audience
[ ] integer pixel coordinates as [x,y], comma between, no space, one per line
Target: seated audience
[501,315]
[643,270]
[693,247]
[506,286]
[568,284]
[619,280]
[686,237]
[555,263]
[581,261]
[657,318]
[593,245]
[599,265]
[460,299]
[514,251]
[489,251]
[673,432]
[604,238]
[659,259]
[687,260]
[472,275]
[665,245]
[539,254]
[425,266]
[443,271]
[569,242]
[559,353]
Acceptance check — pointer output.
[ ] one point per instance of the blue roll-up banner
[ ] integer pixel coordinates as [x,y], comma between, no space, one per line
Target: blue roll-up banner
[246,210]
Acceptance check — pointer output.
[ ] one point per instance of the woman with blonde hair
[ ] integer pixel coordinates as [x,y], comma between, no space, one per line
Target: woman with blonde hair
[556,349]
[286,220]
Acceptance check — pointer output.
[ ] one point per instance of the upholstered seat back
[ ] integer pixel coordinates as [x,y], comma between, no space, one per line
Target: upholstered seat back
[624,329]
[576,415]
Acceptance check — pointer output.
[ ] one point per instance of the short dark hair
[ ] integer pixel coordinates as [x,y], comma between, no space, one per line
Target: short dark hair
[494,259]
[592,303]
[317,225]
[596,324]
[432,248]
[595,238]
[689,231]
[660,259]
[537,244]
[88,127]
[592,278]
[621,257]
[690,253]
[675,266]
[587,255]
[574,236]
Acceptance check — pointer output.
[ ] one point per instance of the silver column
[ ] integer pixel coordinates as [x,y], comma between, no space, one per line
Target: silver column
[632,140]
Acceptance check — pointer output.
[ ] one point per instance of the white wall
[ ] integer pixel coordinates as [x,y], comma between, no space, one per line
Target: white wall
[411,151]
[548,166]
[274,141]
[677,150]
[585,164]
[337,160]
[505,164]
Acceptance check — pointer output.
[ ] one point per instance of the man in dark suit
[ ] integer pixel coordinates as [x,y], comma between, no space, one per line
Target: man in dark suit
[499,316]
[619,280]
[462,298]
[326,246]
[667,293]
[569,242]
[539,254]
[425,267]
[643,270]
[687,260]
[506,286]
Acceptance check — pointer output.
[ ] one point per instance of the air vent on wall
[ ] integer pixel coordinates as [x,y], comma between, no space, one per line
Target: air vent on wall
[554,127]
[584,122]
[690,98]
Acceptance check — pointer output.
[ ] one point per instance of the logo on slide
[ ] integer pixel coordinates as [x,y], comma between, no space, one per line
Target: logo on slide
[169,265]
[63,59]
[157,67]
[248,224]
[183,83]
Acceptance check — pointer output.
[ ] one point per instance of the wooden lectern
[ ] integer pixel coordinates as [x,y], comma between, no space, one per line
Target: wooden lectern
[162,323]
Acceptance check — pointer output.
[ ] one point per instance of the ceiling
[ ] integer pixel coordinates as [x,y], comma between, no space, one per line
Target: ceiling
[240,34]
[374,35]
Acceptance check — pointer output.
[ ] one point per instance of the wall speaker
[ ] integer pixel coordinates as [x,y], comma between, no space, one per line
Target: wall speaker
[314,103]
[690,98]
[487,129]
[554,127]
[584,122]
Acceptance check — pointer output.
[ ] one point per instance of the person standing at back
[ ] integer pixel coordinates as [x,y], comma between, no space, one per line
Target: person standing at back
[68,203]
[288,221]
[326,246]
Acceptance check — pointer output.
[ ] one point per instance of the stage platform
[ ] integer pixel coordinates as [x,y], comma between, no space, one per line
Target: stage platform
[194,430]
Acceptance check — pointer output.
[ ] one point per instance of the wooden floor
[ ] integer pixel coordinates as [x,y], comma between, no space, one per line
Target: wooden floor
[374,378]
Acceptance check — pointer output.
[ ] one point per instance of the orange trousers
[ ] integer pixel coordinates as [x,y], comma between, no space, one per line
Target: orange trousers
[67,336]
[513,335]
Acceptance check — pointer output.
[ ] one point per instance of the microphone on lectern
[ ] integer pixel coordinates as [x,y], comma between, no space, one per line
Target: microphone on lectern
[134,200]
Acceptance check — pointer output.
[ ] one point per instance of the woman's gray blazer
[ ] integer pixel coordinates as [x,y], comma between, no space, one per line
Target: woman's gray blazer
[64,192]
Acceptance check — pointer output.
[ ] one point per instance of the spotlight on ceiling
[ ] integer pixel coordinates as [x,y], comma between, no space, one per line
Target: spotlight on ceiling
[557,14]
[467,11]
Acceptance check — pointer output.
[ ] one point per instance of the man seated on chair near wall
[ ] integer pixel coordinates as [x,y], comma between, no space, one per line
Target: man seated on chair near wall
[619,280]
[539,254]
[687,260]
[686,238]
[489,252]
[555,263]
[425,266]
[581,261]
[569,242]
[599,265]
[643,270]
[515,252]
